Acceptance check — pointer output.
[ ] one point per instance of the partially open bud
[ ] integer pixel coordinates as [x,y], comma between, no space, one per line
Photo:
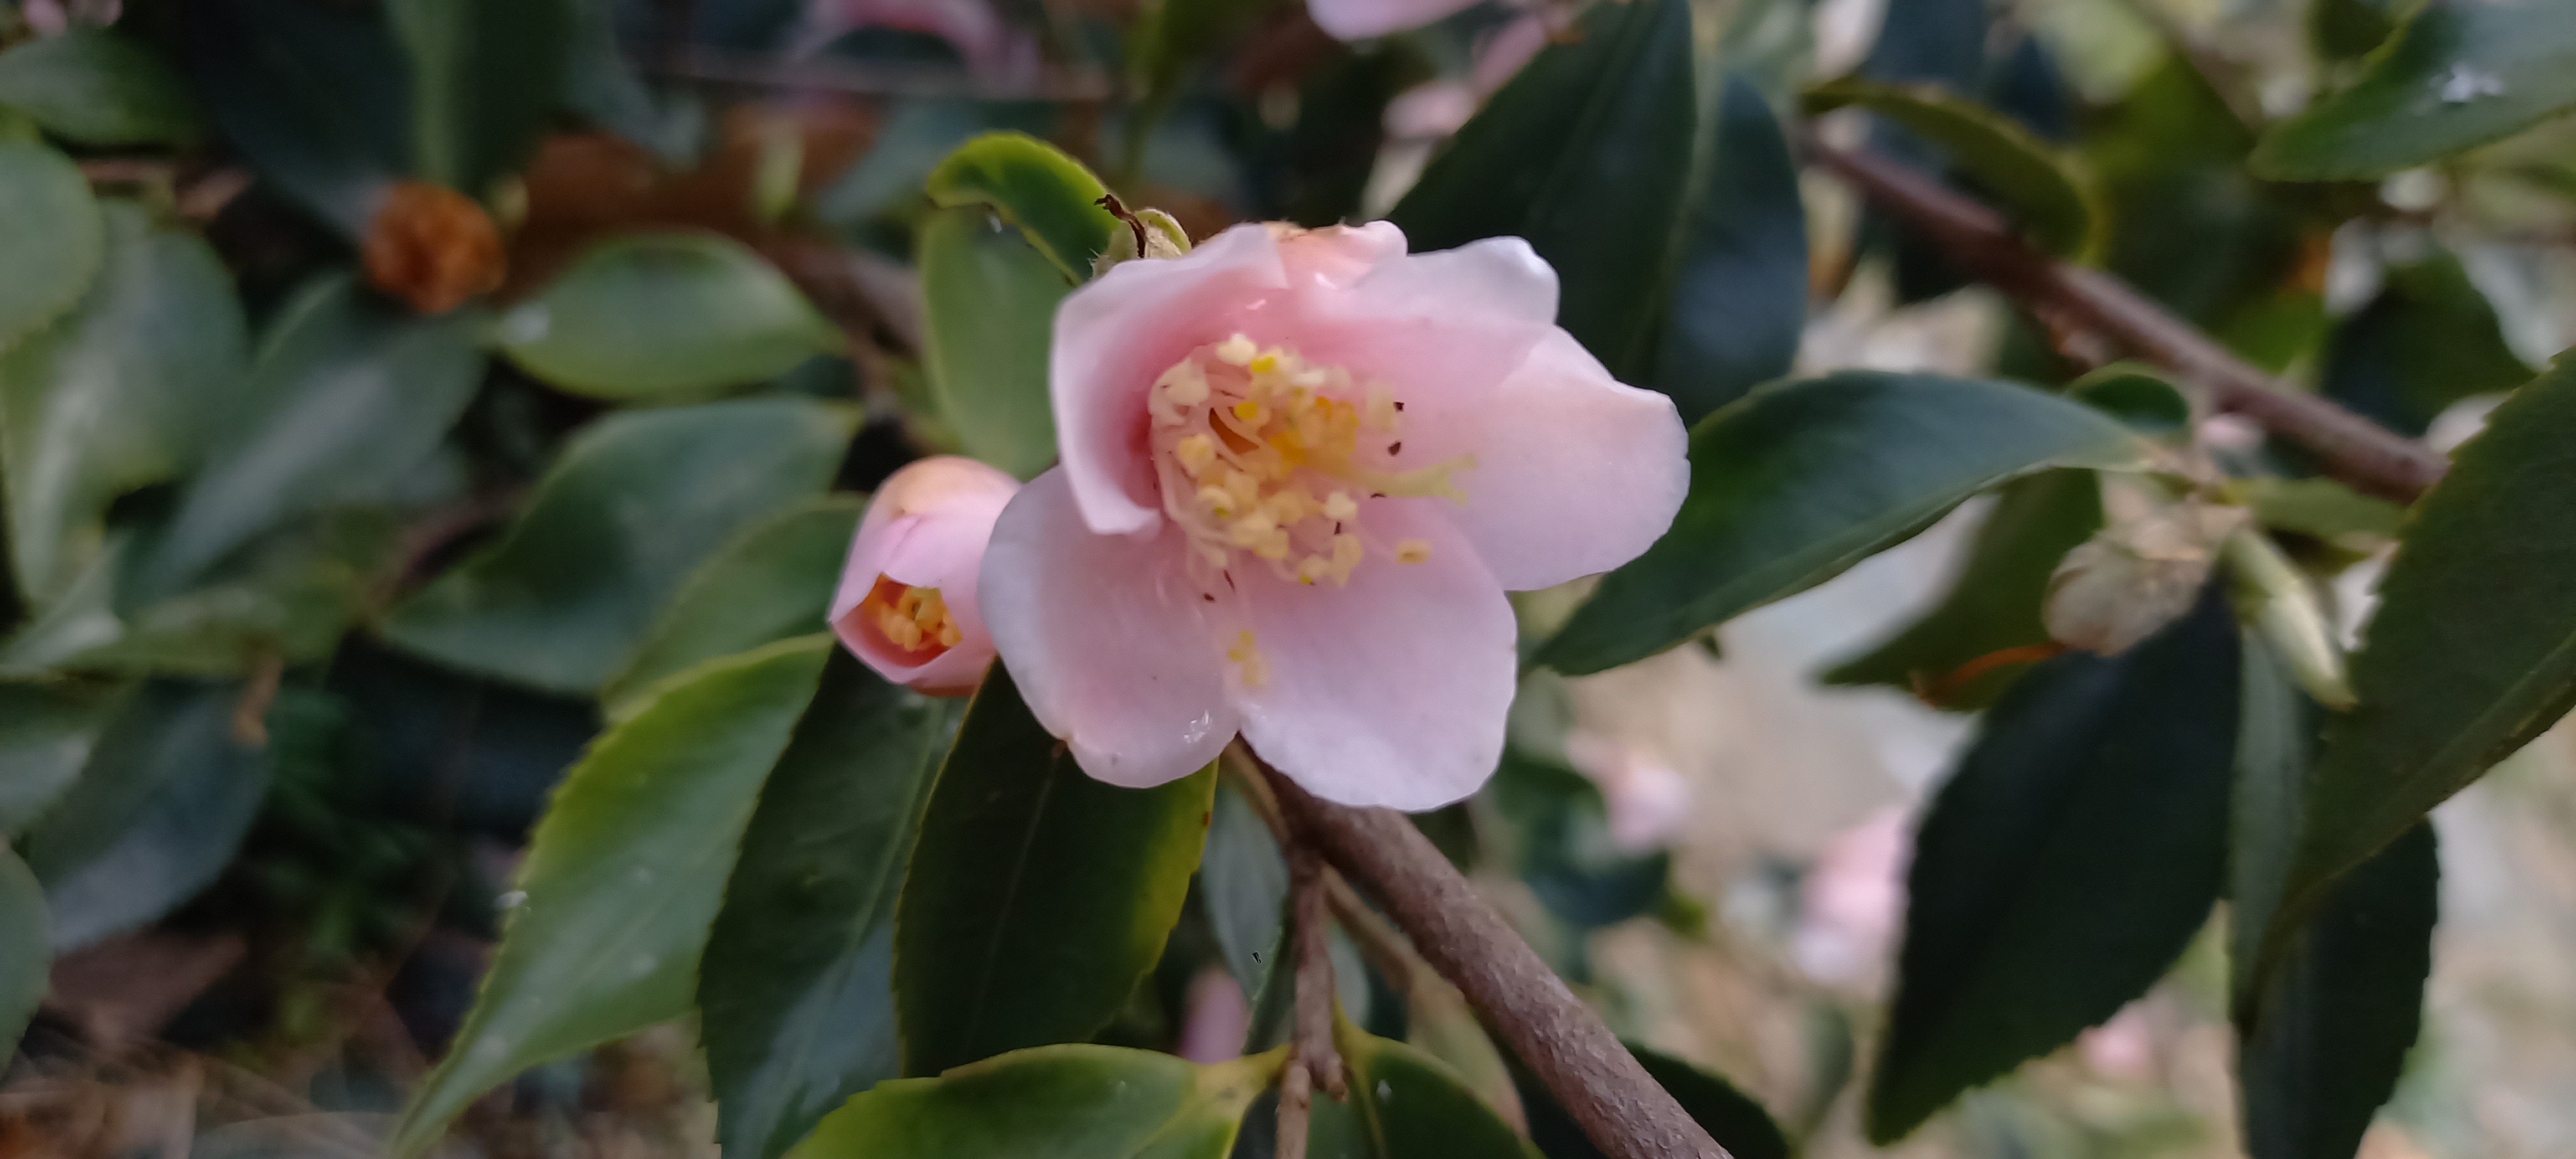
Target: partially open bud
[2136,576]
[907,599]
[2273,596]
[432,247]
[1145,233]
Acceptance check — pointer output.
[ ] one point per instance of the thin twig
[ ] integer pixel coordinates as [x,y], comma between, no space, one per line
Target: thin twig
[1314,977]
[2349,447]
[1621,1108]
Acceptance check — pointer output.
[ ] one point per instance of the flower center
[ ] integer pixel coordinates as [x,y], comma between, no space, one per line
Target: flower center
[1259,452]
[911,618]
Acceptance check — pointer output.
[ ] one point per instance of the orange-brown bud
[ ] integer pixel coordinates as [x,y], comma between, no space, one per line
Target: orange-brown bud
[432,247]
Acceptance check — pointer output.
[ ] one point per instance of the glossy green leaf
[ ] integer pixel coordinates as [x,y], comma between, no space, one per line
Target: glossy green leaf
[485,77]
[50,228]
[773,581]
[2461,73]
[2324,509]
[651,315]
[1800,480]
[1986,630]
[2472,652]
[1585,154]
[2065,864]
[315,94]
[1051,1102]
[98,88]
[635,503]
[47,732]
[2136,395]
[2047,192]
[1243,883]
[1037,896]
[1730,1116]
[115,395]
[623,876]
[166,796]
[1033,185]
[1562,847]
[2426,341]
[988,315]
[1739,296]
[795,992]
[1408,1103]
[26,949]
[346,396]
[2343,29]
[2333,1028]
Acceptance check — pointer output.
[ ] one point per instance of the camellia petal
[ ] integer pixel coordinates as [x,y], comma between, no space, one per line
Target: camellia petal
[1575,472]
[1393,690]
[906,603]
[1108,639]
[1363,19]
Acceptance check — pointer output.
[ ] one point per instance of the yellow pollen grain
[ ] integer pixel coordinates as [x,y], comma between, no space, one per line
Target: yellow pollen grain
[916,615]
[1249,410]
[1412,550]
[1266,362]
[1248,659]
[1218,501]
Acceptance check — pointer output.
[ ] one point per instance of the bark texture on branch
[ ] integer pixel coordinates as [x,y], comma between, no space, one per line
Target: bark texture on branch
[2349,447]
[1621,1108]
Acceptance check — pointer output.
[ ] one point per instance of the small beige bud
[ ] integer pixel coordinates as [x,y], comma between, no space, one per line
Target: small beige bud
[2135,577]
[2273,596]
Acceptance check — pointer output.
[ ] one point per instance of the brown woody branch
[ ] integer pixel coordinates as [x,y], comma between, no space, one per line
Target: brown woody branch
[2348,446]
[1622,1109]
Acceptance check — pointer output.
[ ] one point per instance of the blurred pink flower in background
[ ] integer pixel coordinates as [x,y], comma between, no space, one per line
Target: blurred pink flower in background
[907,598]
[1299,470]
[1214,1018]
[1649,802]
[1853,903]
[1362,19]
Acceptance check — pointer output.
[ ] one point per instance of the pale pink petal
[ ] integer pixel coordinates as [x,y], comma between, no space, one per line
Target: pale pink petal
[1108,640]
[1337,255]
[1575,473]
[1119,331]
[926,527]
[1362,19]
[1391,691]
[1499,276]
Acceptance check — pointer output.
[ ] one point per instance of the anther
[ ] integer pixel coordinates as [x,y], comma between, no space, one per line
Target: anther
[1412,550]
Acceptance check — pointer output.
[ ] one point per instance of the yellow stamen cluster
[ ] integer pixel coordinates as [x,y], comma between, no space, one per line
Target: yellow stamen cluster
[914,619]
[1259,451]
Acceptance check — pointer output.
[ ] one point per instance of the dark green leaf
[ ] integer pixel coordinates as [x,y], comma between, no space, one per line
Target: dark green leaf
[795,993]
[988,316]
[314,94]
[114,395]
[1171,37]
[1800,480]
[2047,192]
[50,228]
[346,396]
[771,582]
[2429,339]
[648,315]
[26,949]
[1037,896]
[635,503]
[1739,299]
[1987,629]
[1939,41]
[485,76]
[1409,1104]
[1243,882]
[1731,1117]
[2336,1020]
[1051,1102]
[1051,197]
[47,732]
[623,876]
[2344,29]
[2472,652]
[165,798]
[1585,154]
[916,135]
[2461,73]
[1563,849]
[2065,864]
[98,88]
[2324,509]
[2144,399]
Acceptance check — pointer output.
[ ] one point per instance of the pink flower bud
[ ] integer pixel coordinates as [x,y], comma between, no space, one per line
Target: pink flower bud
[907,601]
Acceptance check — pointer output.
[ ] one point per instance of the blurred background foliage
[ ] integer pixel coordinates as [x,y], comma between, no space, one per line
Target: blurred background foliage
[397,395]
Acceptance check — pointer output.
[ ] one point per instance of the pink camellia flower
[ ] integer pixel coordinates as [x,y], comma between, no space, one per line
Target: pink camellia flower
[907,600]
[1299,470]
[1362,19]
